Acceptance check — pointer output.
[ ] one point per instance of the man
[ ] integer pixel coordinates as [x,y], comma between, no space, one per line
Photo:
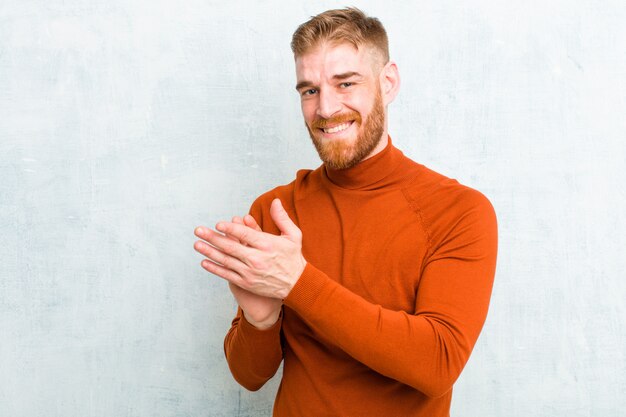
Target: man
[369,276]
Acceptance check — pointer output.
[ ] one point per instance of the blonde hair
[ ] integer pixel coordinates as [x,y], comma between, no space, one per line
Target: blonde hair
[349,25]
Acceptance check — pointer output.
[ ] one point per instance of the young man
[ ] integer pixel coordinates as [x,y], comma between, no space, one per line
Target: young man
[369,276]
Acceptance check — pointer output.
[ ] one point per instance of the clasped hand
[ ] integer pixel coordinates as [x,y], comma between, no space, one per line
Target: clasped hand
[261,263]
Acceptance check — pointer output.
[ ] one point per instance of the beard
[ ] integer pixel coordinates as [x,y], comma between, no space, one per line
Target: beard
[341,153]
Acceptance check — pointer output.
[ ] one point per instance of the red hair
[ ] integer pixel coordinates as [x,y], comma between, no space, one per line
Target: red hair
[349,25]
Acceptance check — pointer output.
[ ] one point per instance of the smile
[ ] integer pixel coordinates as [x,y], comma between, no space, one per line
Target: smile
[338,128]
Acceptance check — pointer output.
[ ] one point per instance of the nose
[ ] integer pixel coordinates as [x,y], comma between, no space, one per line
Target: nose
[329,104]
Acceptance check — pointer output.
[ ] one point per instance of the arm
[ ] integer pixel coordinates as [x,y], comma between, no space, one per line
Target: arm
[253,355]
[426,350]
[252,345]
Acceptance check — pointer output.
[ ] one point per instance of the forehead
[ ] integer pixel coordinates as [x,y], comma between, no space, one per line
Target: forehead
[330,59]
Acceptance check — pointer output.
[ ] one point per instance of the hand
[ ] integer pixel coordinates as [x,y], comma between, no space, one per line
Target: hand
[261,312]
[261,263]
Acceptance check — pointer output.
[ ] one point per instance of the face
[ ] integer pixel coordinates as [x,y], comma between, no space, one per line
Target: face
[342,103]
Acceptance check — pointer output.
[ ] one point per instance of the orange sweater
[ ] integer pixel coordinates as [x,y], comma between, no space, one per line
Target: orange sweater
[381,322]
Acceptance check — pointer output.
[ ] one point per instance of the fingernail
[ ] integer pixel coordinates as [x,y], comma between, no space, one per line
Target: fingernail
[220,226]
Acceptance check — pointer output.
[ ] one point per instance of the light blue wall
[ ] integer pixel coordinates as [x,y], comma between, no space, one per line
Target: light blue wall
[123,125]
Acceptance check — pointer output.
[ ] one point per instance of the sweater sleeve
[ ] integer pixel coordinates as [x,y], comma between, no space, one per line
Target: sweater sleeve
[253,355]
[426,350]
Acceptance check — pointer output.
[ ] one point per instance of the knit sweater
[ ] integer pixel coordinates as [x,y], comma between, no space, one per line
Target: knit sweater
[400,266]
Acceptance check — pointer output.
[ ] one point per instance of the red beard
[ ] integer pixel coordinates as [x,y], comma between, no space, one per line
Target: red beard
[341,154]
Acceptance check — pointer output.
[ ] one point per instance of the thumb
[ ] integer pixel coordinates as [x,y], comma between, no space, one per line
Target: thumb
[284,223]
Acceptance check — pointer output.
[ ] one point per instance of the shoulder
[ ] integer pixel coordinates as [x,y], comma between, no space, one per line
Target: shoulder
[432,191]
[307,181]
[445,205]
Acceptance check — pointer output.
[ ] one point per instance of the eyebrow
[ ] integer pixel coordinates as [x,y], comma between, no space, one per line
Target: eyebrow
[341,76]
[346,75]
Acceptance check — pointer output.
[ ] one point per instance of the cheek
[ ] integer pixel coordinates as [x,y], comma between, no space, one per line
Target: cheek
[366,108]
[308,111]
[368,99]
[360,102]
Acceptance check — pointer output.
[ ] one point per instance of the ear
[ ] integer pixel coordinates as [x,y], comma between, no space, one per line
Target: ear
[389,82]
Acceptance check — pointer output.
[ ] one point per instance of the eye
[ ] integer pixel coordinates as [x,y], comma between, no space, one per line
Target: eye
[346,84]
[309,92]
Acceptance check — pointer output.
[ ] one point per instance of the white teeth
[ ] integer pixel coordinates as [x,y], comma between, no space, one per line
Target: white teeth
[336,129]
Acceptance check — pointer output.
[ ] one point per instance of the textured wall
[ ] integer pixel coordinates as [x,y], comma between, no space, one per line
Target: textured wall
[125,124]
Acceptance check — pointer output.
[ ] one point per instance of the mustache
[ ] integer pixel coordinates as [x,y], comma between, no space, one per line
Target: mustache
[322,123]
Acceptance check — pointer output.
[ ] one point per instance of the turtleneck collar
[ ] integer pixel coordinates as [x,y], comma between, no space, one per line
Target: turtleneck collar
[369,174]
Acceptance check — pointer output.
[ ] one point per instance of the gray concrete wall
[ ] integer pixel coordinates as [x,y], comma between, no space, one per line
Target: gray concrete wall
[123,125]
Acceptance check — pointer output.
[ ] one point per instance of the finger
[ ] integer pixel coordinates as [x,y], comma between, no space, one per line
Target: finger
[201,231]
[238,220]
[229,246]
[231,276]
[218,256]
[250,221]
[284,223]
[244,233]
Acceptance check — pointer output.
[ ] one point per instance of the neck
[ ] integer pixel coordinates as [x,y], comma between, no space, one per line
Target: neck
[382,144]
[371,173]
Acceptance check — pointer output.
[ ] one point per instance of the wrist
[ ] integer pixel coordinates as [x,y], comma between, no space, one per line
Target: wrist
[263,324]
[297,274]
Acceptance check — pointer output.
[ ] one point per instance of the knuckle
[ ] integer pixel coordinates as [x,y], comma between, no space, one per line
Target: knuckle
[228,245]
[231,247]
[242,281]
[246,285]
[264,245]
[256,262]
[236,279]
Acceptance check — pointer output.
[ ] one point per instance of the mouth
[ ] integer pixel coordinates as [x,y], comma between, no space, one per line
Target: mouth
[337,129]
